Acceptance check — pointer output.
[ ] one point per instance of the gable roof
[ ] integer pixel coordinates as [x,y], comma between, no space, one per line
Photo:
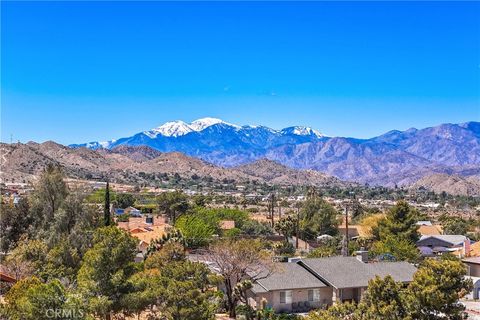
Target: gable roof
[289,276]
[348,272]
[452,239]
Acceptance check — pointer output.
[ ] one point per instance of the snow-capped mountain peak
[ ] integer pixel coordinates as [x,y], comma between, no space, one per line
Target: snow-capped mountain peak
[170,129]
[303,131]
[203,123]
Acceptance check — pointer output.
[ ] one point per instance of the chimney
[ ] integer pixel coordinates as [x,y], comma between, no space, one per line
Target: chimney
[466,247]
[362,255]
[149,219]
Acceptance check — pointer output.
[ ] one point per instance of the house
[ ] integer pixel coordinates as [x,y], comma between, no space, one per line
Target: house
[439,244]
[133,212]
[311,283]
[348,276]
[145,230]
[473,266]
[292,288]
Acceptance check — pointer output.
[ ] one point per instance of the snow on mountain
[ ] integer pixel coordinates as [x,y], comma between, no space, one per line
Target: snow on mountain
[302,131]
[170,129]
[201,124]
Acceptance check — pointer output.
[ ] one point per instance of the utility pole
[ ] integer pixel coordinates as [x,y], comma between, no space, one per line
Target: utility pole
[346,224]
[272,208]
[297,234]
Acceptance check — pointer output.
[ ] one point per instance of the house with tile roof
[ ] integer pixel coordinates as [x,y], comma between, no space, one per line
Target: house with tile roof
[306,284]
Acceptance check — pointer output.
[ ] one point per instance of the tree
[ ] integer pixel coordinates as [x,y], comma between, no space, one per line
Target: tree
[399,222]
[286,227]
[401,249]
[106,208]
[195,231]
[14,222]
[454,225]
[173,236]
[341,311]
[256,228]
[106,267]
[235,261]
[178,288]
[384,300]
[30,299]
[436,288]
[173,204]
[322,252]
[319,217]
[125,200]
[49,194]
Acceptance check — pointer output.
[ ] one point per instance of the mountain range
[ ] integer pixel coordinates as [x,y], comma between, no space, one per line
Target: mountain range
[394,158]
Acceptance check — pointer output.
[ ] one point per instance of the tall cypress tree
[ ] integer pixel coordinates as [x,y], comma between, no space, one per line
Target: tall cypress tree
[106,210]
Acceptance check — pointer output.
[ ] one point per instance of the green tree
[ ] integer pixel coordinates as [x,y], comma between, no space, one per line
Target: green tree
[105,269]
[125,200]
[454,225]
[436,289]
[401,249]
[384,300]
[323,251]
[286,227]
[195,231]
[319,217]
[30,299]
[256,228]
[173,204]
[106,209]
[399,222]
[49,194]
[14,222]
[178,288]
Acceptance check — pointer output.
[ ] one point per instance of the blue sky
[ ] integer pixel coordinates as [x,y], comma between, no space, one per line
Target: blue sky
[83,71]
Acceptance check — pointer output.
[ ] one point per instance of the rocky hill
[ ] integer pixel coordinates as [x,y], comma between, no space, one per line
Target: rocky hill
[452,184]
[137,164]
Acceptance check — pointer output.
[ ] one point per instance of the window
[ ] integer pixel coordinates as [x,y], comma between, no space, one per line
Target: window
[286,296]
[314,295]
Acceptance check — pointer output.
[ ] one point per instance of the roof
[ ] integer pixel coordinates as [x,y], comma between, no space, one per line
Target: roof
[424,223]
[475,249]
[450,238]
[429,230]
[472,260]
[289,275]
[349,272]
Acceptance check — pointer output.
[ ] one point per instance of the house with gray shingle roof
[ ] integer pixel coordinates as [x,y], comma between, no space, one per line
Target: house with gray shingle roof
[291,288]
[312,283]
[445,243]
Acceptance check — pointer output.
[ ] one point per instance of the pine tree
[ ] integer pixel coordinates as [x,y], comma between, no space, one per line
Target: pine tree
[106,210]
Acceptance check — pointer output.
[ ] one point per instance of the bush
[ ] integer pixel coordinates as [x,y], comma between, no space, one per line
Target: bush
[285,248]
